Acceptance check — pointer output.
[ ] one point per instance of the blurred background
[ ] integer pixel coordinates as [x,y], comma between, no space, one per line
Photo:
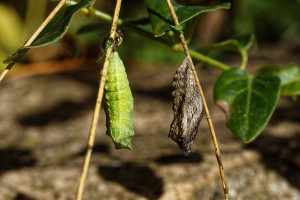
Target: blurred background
[272,22]
[47,104]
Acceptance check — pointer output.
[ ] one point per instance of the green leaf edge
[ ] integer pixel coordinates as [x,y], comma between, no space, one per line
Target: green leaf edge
[216,98]
[232,44]
[224,5]
[286,84]
[19,53]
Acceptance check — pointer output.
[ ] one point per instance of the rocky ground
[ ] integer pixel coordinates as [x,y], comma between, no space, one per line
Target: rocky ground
[45,120]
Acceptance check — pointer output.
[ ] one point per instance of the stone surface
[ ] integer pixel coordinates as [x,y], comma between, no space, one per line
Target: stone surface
[44,128]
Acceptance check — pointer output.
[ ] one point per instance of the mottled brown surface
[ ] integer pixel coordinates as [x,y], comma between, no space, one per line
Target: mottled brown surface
[187,107]
[45,120]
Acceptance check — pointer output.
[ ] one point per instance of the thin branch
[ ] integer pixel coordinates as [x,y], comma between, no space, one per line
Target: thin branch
[186,51]
[98,104]
[140,31]
[209,60]
[35,34]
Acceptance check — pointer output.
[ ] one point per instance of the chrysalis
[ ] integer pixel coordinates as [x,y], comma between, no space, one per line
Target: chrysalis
[187,107]
[117,42]
[118,104]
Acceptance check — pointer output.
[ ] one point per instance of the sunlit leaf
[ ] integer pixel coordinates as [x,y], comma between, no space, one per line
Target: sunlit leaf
[10,39]
[55,30]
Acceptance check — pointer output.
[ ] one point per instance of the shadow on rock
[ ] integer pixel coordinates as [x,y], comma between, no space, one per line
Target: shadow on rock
[176,158]
[62,112]
[12,159]
[287,112]
[98,148]
[90,76]
[280,154]
[21,196]
[139,179]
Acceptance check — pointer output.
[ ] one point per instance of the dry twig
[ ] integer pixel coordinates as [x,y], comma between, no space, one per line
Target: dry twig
[214,138]
[98,104]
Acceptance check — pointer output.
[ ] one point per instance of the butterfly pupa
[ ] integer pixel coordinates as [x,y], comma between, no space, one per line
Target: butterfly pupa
[187,107]
[118,104]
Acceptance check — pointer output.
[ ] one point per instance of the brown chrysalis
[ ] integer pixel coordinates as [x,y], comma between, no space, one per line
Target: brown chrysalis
[187,107]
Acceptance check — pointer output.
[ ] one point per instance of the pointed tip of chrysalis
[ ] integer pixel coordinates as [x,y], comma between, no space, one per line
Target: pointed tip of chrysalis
[186,148]
[118,146]
[125,144]
[185,152]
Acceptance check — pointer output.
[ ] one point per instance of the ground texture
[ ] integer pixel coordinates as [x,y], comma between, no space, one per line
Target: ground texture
[45,120]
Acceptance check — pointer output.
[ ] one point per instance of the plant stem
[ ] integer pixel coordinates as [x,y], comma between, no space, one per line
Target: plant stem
[97,13]
[149,35]
[244,61]
[92,134]
[214,138]
[35,34]
[146,34]
[208,60]
[205,59]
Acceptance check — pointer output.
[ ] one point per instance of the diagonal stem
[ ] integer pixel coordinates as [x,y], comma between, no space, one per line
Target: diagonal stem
[92,134]
[140,31]
[214,138]
[35,34]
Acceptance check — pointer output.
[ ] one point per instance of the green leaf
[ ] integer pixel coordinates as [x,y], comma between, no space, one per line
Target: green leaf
[105,25]
[189,29]
[93,27]
[240,44]
[177,28]
[161,18]
[289,76]
[55,30]
[247,101]
[237,43]
[291,89]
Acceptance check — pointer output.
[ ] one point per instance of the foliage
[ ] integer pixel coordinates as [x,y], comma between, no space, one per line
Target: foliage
[55,30]
[160,15]
[9,40]
[247,100]
[240,44]
[282,18]
[289,76]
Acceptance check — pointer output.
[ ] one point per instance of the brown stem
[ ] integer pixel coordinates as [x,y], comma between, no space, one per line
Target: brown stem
[213,135]
[98,104]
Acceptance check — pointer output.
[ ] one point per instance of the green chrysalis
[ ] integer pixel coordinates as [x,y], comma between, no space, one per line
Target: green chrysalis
[118,104]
